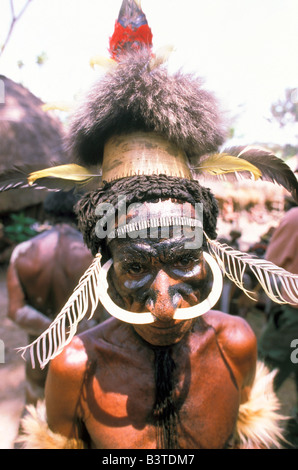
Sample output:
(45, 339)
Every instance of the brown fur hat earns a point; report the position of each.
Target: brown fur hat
(136, 95)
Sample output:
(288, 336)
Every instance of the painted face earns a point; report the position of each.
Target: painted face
(159, 276)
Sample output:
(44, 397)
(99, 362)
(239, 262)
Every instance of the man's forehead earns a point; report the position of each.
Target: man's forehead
(170, 220)
(152, 247)
(159, 208)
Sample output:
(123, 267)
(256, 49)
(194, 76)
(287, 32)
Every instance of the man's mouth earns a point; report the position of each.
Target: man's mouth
(166, 327)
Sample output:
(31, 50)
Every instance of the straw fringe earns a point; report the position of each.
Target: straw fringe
(259, 423)
(36, 433)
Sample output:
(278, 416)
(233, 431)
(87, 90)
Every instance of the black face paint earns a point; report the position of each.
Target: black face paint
(165, 411)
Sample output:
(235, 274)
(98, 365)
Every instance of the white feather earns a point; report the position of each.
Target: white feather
(52, 341)
(273, 279)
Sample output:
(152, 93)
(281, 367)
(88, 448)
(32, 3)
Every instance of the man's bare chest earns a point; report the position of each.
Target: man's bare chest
(119, 406)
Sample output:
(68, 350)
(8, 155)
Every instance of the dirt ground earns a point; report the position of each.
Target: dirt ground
(12, 375)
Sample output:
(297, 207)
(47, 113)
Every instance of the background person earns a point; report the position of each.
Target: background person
(42, 274)
(282, 326)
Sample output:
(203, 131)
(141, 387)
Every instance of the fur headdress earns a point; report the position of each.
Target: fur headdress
(139, 96)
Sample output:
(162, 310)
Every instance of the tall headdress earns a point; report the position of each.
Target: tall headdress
(139, 119)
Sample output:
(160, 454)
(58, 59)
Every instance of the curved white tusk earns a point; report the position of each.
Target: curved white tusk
(113, 309)
(147, 317)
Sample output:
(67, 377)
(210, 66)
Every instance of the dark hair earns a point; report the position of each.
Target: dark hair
(141, 189)
(60, 205)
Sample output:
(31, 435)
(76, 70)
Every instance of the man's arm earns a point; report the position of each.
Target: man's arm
(63, 391)
(239, 345)
(27, 317)
(259, 423)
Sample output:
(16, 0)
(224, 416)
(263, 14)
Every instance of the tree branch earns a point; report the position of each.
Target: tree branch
(15, 18)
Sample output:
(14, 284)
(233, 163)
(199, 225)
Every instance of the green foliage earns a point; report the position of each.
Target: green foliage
(20, 229)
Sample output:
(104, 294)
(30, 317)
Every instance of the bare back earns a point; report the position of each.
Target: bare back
(49, 266)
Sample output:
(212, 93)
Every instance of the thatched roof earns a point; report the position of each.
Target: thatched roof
(28, 135)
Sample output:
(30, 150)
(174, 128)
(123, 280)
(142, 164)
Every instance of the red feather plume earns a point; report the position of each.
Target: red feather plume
(131, 30)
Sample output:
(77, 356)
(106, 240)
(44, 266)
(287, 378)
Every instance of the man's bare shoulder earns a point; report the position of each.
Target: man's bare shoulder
(71, 363)
(235, 330)
(236, 338)
(32, 254)
(64, 381)
(84, 347)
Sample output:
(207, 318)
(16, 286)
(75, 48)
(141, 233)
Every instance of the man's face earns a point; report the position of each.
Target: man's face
(159, 276)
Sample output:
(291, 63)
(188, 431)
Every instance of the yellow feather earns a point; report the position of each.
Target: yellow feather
(57, 106)
(161, 56)
(72, 172)
(221, 163)
(101, 61)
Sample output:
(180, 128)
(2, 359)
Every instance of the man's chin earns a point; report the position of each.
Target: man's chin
(166, 336)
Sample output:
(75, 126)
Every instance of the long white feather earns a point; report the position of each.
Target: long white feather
(63, 328)
(280, 285)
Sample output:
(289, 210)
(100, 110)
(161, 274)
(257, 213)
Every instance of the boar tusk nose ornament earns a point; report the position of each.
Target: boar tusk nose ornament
(147, 317)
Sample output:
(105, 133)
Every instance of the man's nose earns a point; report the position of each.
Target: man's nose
(163, 299)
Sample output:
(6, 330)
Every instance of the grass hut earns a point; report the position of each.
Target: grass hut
(28, 135)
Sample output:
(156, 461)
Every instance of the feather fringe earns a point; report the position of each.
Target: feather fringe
(273, 279)
(61, 331)
(53, 178)
(259, 423)
(17, 178)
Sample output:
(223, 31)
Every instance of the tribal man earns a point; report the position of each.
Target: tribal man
(138, 386)
(167, 371)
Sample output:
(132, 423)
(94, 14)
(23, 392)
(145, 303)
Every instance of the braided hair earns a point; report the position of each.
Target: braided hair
(143, 189)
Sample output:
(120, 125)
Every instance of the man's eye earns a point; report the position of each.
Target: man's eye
(135, 268)
(185, 263)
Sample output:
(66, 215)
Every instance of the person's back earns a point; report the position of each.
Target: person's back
(48, 267)
(42, 274)
(283, 247)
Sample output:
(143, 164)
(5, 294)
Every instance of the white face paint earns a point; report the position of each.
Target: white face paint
(147, 317)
